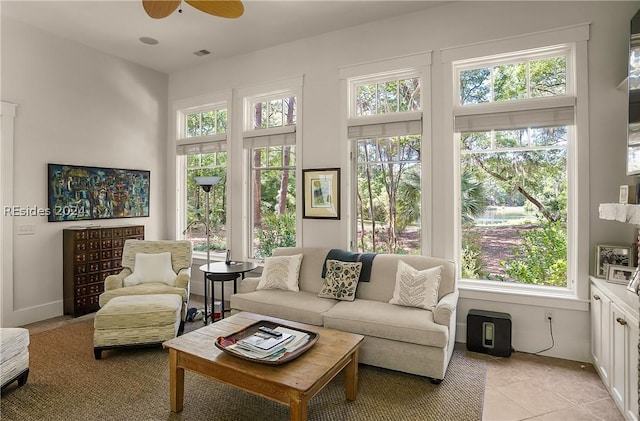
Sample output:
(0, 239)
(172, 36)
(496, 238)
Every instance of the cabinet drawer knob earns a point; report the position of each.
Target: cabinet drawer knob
(622, 321)
(596, 297)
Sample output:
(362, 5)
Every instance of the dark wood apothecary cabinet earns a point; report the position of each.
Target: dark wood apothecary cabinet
(91, 254)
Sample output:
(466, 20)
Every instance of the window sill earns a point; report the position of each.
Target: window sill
(201, 258)
(560, 298)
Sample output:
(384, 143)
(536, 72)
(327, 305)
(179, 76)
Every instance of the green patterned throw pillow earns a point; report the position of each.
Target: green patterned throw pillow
(341, 280)
(416, 288)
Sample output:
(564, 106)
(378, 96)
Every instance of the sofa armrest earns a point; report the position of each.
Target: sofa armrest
(248, 284)
(116, 281)
(446, 308)
(183, 279)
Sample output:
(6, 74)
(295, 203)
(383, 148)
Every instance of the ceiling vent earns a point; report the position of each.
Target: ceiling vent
(201, 52)
(148, 40)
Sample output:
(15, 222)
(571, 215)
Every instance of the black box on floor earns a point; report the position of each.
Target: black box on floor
(489, 332)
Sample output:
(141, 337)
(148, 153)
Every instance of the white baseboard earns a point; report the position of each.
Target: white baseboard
(566, 348)
(34, 314)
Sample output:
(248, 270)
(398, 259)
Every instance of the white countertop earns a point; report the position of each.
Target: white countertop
(627, 300)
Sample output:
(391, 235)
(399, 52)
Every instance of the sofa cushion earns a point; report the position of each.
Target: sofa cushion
(13, 342)
(303, 307)
(142, 289)
(151, 268)
(311, 267)
(384, 320)
(136, 311)
(181, 252)
(281, 273)
(341, 280)
(416, 288)
(14, 353)
(383, 275)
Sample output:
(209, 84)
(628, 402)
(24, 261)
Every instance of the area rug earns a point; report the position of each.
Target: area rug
(67, 383)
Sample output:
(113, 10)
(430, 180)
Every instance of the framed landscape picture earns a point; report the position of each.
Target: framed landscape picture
(611, 255)
(321, 193)
(79, 193)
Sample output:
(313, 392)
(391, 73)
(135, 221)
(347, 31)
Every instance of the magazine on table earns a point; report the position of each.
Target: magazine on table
(263, 342)
(260, 347)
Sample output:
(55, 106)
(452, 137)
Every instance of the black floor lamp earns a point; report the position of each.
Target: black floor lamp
(206, 183)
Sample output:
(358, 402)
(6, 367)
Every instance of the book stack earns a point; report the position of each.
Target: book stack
(264, 347)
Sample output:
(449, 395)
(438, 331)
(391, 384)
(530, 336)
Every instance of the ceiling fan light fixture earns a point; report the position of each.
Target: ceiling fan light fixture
(159, 9)
(223, 8)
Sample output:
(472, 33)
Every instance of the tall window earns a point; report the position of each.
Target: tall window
(514, 118)
(271, 141)
(386, 130)
(203, 151)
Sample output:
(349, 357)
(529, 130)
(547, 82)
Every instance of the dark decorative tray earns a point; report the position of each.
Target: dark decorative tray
(223, 342)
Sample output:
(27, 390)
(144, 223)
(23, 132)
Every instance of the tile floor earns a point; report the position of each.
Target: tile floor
(520, 387)
(533, 387)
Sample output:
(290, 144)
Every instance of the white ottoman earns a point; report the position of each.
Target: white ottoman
(14, 355)
(133, 320)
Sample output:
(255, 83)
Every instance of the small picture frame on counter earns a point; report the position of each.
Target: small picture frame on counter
(628, 194)
(617, 274)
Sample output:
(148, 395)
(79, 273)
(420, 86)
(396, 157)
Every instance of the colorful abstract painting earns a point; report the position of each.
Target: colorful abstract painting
(81, 193)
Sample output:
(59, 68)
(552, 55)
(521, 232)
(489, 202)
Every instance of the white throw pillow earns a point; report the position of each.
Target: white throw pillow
(281, 272)
(416, 288)
(152, 267)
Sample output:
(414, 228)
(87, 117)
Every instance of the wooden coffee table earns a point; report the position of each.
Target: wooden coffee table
(293, 383)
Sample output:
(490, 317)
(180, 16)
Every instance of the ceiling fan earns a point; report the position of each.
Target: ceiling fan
(159, 9)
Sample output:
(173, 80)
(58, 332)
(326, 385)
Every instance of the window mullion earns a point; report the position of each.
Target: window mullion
(492, 84)
(528, 78)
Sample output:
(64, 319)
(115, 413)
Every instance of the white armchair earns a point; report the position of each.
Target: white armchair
(181, 259)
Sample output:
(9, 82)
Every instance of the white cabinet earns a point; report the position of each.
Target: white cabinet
(600, 343)
(614, 342)
(624, 353)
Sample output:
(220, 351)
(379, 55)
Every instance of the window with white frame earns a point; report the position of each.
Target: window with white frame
(385, 128)
(201, 150)
(270, 139)
(514, 124)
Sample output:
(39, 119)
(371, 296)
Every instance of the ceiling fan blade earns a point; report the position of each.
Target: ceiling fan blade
(222, 8)
(159, 9)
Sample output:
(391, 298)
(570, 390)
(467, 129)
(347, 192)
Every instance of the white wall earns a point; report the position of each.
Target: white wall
(76, 106)
(460, 23)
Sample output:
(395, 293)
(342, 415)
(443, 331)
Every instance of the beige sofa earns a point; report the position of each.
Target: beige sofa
(407, 339)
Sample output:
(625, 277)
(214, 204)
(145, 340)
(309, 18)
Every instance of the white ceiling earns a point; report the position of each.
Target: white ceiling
(116, 26)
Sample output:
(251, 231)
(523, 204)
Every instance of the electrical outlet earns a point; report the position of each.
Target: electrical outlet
(548, 315)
